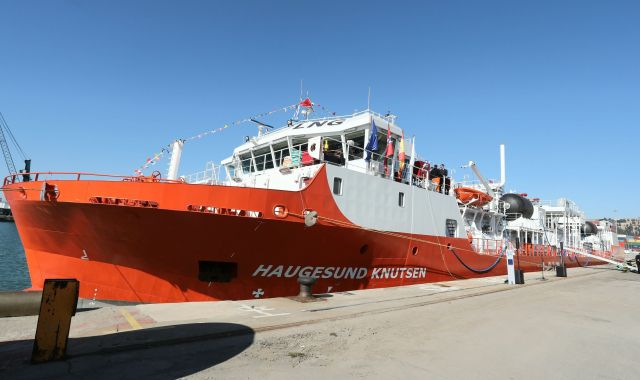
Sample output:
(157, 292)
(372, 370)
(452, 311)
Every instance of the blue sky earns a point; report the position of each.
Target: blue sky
(99, 86)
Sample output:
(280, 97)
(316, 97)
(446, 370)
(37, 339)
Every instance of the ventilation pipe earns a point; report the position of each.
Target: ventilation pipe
(174, 164)
(503, 175)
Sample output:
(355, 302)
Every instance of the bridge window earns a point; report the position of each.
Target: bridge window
(246, 162)
(355, 145)
(332, 149)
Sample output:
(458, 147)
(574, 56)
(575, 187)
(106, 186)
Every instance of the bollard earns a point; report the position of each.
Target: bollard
(306, 283)
(58, 305)
(561, 271)
(519, 276)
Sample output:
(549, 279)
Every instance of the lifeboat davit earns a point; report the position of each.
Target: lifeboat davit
(472, 197)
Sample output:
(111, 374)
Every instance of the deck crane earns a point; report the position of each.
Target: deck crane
(4, 127)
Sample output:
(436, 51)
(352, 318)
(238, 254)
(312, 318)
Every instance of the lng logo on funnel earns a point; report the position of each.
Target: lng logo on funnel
(348, 273)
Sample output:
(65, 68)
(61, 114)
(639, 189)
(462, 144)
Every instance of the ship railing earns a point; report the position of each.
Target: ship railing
(389, 168)
(77, 176)
(513, 215)
(475, 184)
(210, 175)
(531, 249)
(296, 157)
(492, 247)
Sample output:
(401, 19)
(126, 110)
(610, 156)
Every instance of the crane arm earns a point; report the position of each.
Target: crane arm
(5, 148)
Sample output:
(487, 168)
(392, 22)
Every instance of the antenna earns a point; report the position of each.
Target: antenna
(301, 91)
(369, 100)
(261, 127)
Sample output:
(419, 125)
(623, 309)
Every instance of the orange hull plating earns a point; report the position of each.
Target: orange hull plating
(143, 242)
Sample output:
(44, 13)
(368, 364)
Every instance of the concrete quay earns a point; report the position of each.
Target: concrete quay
(582, 326)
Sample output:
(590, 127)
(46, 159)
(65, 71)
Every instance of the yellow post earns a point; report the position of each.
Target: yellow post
(58, 305)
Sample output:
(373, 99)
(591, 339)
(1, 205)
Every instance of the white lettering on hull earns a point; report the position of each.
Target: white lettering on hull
(347, 273)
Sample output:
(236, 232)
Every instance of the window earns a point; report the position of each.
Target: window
(281, 150)
(337, 186)
(452, 227)
(401, 199)
(332, 150)
(247, 163)
(355, 145)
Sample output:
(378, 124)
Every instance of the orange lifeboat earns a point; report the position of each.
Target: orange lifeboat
(472, 196)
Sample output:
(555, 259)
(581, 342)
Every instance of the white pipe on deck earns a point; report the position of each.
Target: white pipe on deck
(503, 171)
(174, 164)
(473, 167)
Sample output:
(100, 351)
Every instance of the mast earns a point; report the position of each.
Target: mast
(174, 164)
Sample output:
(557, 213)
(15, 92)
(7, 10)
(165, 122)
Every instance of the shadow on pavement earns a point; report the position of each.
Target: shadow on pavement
(161, 352)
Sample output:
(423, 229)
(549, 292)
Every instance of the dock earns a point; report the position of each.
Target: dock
(582, 326)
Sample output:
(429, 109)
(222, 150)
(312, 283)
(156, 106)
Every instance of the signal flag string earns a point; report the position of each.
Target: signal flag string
(156, 157)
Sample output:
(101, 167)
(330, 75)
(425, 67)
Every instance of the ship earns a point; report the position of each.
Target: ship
(343, 199)
(5, 212)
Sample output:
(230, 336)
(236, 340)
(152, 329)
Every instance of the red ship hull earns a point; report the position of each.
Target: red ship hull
(146, 242)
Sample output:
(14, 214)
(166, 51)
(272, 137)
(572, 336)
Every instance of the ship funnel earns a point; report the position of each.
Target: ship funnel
(503, 175)
(174, 164)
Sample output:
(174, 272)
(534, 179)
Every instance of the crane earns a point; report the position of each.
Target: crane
(7, 152)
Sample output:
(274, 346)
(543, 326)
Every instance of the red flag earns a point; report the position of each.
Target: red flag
(389, 152)
(306, 103)
(401, 153)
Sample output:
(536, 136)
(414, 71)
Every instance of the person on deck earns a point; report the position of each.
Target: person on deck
(445, 179)
(435, 174)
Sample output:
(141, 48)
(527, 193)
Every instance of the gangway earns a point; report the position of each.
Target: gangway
(619, 264)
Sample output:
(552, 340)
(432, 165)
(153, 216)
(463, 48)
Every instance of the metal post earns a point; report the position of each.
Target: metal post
(58, 305)
(174, 164)
(306, 284)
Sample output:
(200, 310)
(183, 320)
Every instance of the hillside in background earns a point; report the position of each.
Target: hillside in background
(629, 226)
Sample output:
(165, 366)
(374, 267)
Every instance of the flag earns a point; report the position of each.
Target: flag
(373, 141)
(412, 159)
(306, 103)
(401, 154)
(389, 152)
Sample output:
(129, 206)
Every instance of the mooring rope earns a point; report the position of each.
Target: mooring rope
(479, 271)
(579, 263)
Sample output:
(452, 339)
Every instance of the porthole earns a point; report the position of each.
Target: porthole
(364, 249)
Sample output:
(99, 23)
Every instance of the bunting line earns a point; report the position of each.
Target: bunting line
(150, 161)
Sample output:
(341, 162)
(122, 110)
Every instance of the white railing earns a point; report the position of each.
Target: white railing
(210, 175)
(295, 158)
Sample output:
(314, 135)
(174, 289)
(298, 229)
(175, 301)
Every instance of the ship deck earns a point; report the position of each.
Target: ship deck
(574, 327)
